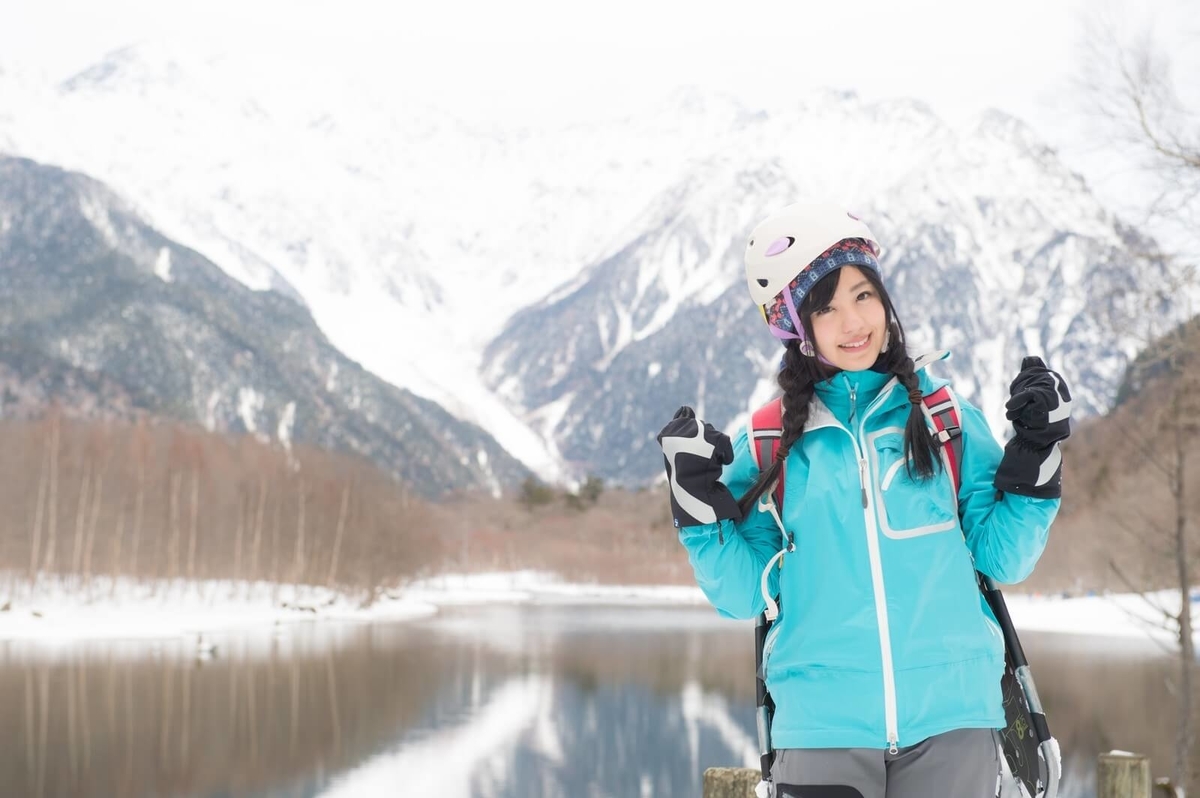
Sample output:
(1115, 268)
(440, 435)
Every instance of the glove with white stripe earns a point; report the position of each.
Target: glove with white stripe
(1039, 408)
(695, 452)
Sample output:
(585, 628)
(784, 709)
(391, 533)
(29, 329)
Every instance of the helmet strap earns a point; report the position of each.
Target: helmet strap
(791, 308)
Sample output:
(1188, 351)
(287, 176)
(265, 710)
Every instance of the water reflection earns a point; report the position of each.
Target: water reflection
(500, 701)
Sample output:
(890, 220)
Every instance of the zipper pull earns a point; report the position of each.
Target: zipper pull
(791, 543)
(862, 480)
(853, 401)
(895, 747)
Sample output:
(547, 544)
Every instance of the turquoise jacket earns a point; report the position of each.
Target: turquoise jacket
(883, 638)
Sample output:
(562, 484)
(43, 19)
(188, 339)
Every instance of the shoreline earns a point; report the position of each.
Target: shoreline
(56, 612)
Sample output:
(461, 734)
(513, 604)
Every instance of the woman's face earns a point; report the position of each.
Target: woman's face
(849, 331)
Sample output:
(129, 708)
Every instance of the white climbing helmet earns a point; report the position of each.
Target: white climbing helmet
(787, 241)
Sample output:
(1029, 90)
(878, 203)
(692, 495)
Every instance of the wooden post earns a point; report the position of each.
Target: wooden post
(1122, 775)
(730, 782)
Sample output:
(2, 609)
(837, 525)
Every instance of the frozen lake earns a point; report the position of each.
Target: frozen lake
(503, 700)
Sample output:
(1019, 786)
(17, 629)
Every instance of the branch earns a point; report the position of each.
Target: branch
(1145, 451)
(1137, 536)
(1154, 525)
(1157, 608)
(1138, 90)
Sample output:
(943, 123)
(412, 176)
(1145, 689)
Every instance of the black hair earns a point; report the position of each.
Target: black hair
(800, 374)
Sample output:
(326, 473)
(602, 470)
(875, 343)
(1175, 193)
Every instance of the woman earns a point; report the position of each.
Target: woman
(884, 663)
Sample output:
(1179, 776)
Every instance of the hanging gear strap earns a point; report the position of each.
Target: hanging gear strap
(942, 413)
(766, 433)
(766, 428)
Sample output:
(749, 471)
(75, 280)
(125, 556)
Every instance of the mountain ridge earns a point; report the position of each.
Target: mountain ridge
(438, 231)
(120, 318)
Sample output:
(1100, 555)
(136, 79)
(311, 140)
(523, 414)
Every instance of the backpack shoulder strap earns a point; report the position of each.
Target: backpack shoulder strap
(944, 415)
(766, 430)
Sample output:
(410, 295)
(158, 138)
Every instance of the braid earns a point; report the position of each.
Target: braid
(919, 447)
(798, 379)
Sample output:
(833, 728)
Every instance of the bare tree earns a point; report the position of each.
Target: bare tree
(243, 501)
(90, 539)
(1135, 107)
(1168, 426)
(141, 454)
(168, 502)
(259, 518)
(39, 509)
(81, 519)
(173, 513)
(298, 560)
(337, 540)
(118, 542)
(52, 506)
(195, 458)
(95, 457)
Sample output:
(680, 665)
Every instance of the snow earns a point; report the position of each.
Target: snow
(384, 245)
(1114, 615)
(250, 404)
(162, 265)
(97, 213)
(520, 587)
(58, 610)
(286, 421)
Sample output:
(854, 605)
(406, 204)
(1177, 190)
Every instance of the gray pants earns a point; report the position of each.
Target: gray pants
(964, 763)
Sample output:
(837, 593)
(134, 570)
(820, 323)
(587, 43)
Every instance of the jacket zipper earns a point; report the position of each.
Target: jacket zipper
(881, 614)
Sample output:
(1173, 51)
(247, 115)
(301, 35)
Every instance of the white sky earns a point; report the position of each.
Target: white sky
(539, 59)
(957, 56)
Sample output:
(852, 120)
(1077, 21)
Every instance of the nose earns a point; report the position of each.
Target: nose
(852, 320)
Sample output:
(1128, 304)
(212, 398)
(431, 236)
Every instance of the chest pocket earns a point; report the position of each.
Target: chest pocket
(908, 506)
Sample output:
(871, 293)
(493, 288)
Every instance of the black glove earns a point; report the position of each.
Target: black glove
(694, 452)
(1039, 408)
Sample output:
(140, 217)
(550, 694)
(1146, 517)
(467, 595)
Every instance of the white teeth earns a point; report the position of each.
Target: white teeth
(856, 344)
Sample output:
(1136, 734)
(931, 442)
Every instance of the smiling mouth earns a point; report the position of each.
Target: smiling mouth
(856, 346)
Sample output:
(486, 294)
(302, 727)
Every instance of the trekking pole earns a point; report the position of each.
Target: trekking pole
(764, 708)
(1047, 745)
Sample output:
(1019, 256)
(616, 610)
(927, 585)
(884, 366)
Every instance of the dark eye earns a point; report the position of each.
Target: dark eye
(823, 311)
(865, 295)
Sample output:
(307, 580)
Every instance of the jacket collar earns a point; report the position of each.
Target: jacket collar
(837, 389)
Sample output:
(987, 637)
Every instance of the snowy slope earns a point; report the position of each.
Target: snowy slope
(992, 249)
(106, 317)
(416, 238)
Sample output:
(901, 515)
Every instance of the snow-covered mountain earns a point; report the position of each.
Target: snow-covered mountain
(567, 287)
(101, 313)
(1031, 265)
